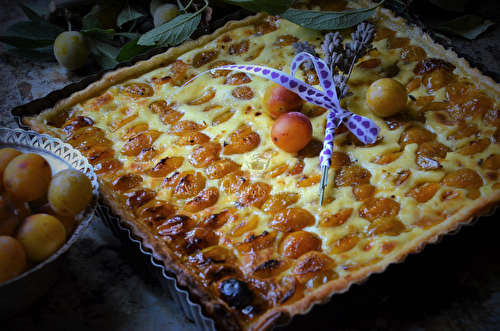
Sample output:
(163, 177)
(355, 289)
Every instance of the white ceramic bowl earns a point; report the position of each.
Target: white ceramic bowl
(18, 293)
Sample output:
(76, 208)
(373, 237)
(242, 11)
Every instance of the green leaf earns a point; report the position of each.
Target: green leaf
(132, 49)
(451, 5)
(91, 22)
(468, 26)
(272, 7)
(102, 53)
(171, 33)
(30, 34)
(98, 33)
(322, 20)
(44, 54)
(34, 13)
(129, 35)
(128, 14)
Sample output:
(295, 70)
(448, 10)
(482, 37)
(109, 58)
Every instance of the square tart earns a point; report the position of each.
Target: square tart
(236, 220)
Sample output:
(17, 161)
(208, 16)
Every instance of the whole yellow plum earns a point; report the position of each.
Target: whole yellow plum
(68, 221)
(71, 50)
(6, 155)
(279, 100)
(27, 177)
(41, 236)
(386, 97)
(12, 258)
(292, 131)
(70, 191)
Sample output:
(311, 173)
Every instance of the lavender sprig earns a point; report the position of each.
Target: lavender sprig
(341, 58)
(364, 35)
(333, 50)
(361, 42)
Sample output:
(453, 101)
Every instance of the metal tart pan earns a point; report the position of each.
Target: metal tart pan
(180, 295)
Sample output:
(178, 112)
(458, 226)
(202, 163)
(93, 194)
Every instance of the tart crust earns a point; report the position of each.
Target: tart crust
(225, 316)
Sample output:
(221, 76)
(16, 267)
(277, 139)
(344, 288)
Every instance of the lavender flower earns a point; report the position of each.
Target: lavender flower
(333, 50)
(300, 47)
(364, 35)
(340, 58)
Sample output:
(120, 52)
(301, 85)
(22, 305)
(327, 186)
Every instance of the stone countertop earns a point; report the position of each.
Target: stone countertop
(454, 285)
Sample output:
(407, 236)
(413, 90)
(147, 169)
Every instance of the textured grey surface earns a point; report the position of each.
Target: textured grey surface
(454, 285)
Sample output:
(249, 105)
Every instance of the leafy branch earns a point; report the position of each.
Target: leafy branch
(173, 32)
(133, 32)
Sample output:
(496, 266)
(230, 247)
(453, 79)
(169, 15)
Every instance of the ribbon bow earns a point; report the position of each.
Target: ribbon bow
(362, 127)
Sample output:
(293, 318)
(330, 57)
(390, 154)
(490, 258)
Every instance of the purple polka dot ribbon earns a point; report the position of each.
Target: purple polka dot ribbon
(362, 127)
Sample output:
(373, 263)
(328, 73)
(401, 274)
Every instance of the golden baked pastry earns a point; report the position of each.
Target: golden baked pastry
(197, 178)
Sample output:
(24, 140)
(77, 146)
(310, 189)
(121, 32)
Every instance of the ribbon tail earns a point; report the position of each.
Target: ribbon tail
(325, 157)
(363, 128)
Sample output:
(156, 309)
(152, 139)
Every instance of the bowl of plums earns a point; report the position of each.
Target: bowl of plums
(48, 195)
